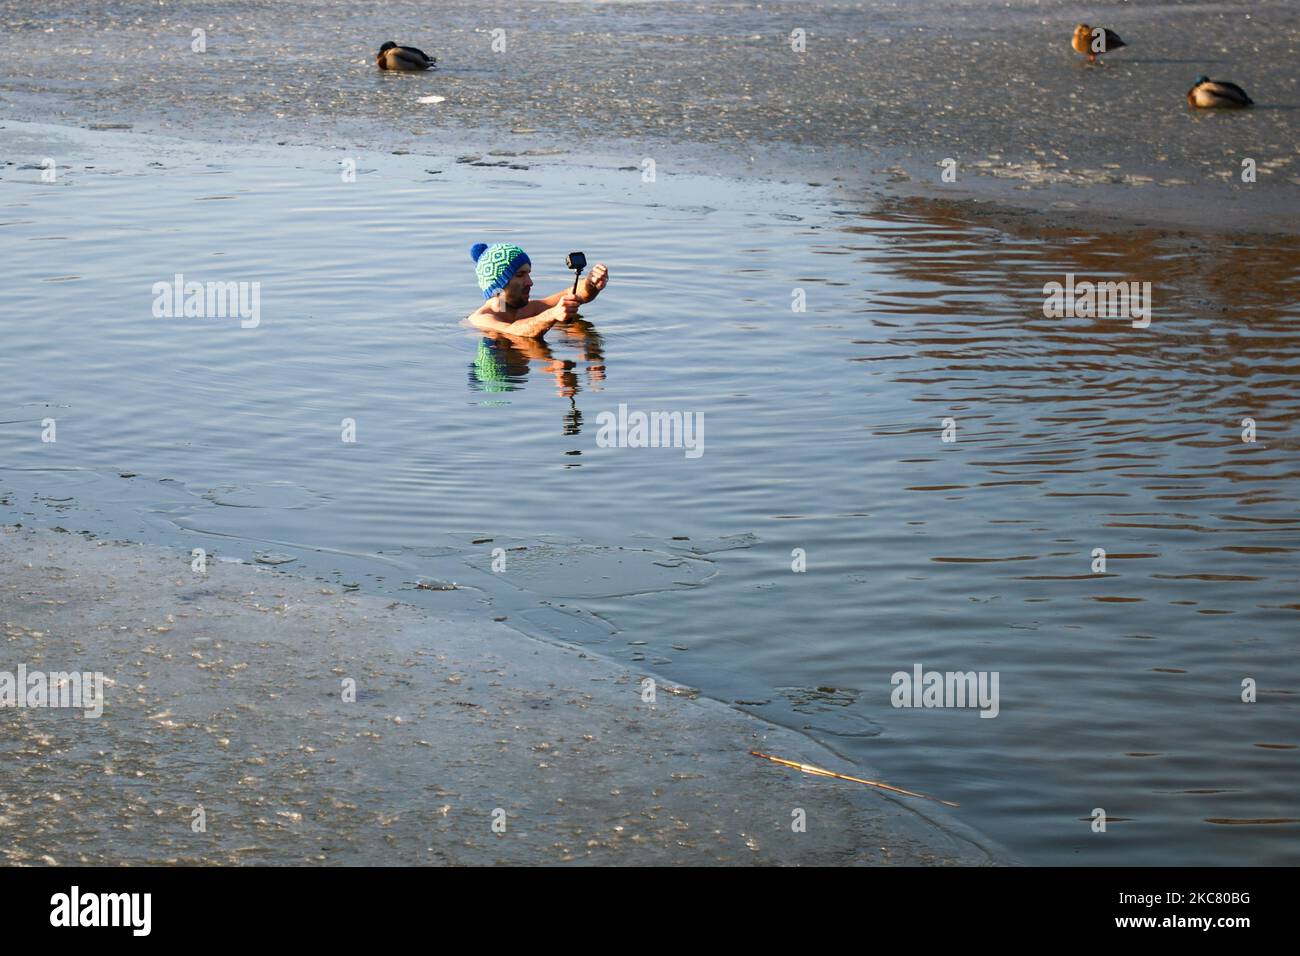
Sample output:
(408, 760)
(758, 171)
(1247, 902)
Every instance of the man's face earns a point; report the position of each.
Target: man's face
(517, 289)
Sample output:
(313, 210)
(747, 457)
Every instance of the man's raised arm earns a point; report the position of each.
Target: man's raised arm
(588, 289)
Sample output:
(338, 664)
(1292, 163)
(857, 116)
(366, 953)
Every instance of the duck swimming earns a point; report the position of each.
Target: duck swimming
(1208, 94)
(394, 57)
(1085, 36)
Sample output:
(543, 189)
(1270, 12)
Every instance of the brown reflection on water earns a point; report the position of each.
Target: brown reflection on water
(1103, 398)
(503, 364)
(1083, 433)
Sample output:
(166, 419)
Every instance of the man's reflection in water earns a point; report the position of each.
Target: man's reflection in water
(502, 364)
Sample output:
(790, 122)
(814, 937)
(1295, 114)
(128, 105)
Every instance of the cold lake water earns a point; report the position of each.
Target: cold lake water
(902, 463)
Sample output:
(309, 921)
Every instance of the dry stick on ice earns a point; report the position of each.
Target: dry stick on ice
(819, 772)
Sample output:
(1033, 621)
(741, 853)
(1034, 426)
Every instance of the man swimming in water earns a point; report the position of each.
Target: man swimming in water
(504, 275)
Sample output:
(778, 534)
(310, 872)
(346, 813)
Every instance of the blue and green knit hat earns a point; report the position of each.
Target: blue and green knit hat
(496, 265)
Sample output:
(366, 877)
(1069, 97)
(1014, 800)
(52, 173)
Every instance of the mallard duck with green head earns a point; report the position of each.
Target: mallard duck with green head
(1217, 94)
(394, 57)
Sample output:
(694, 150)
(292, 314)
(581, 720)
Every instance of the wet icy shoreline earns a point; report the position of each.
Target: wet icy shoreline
(880, 96)
(227, 737)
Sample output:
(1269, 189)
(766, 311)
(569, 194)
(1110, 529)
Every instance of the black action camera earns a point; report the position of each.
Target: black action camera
(576, 261)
